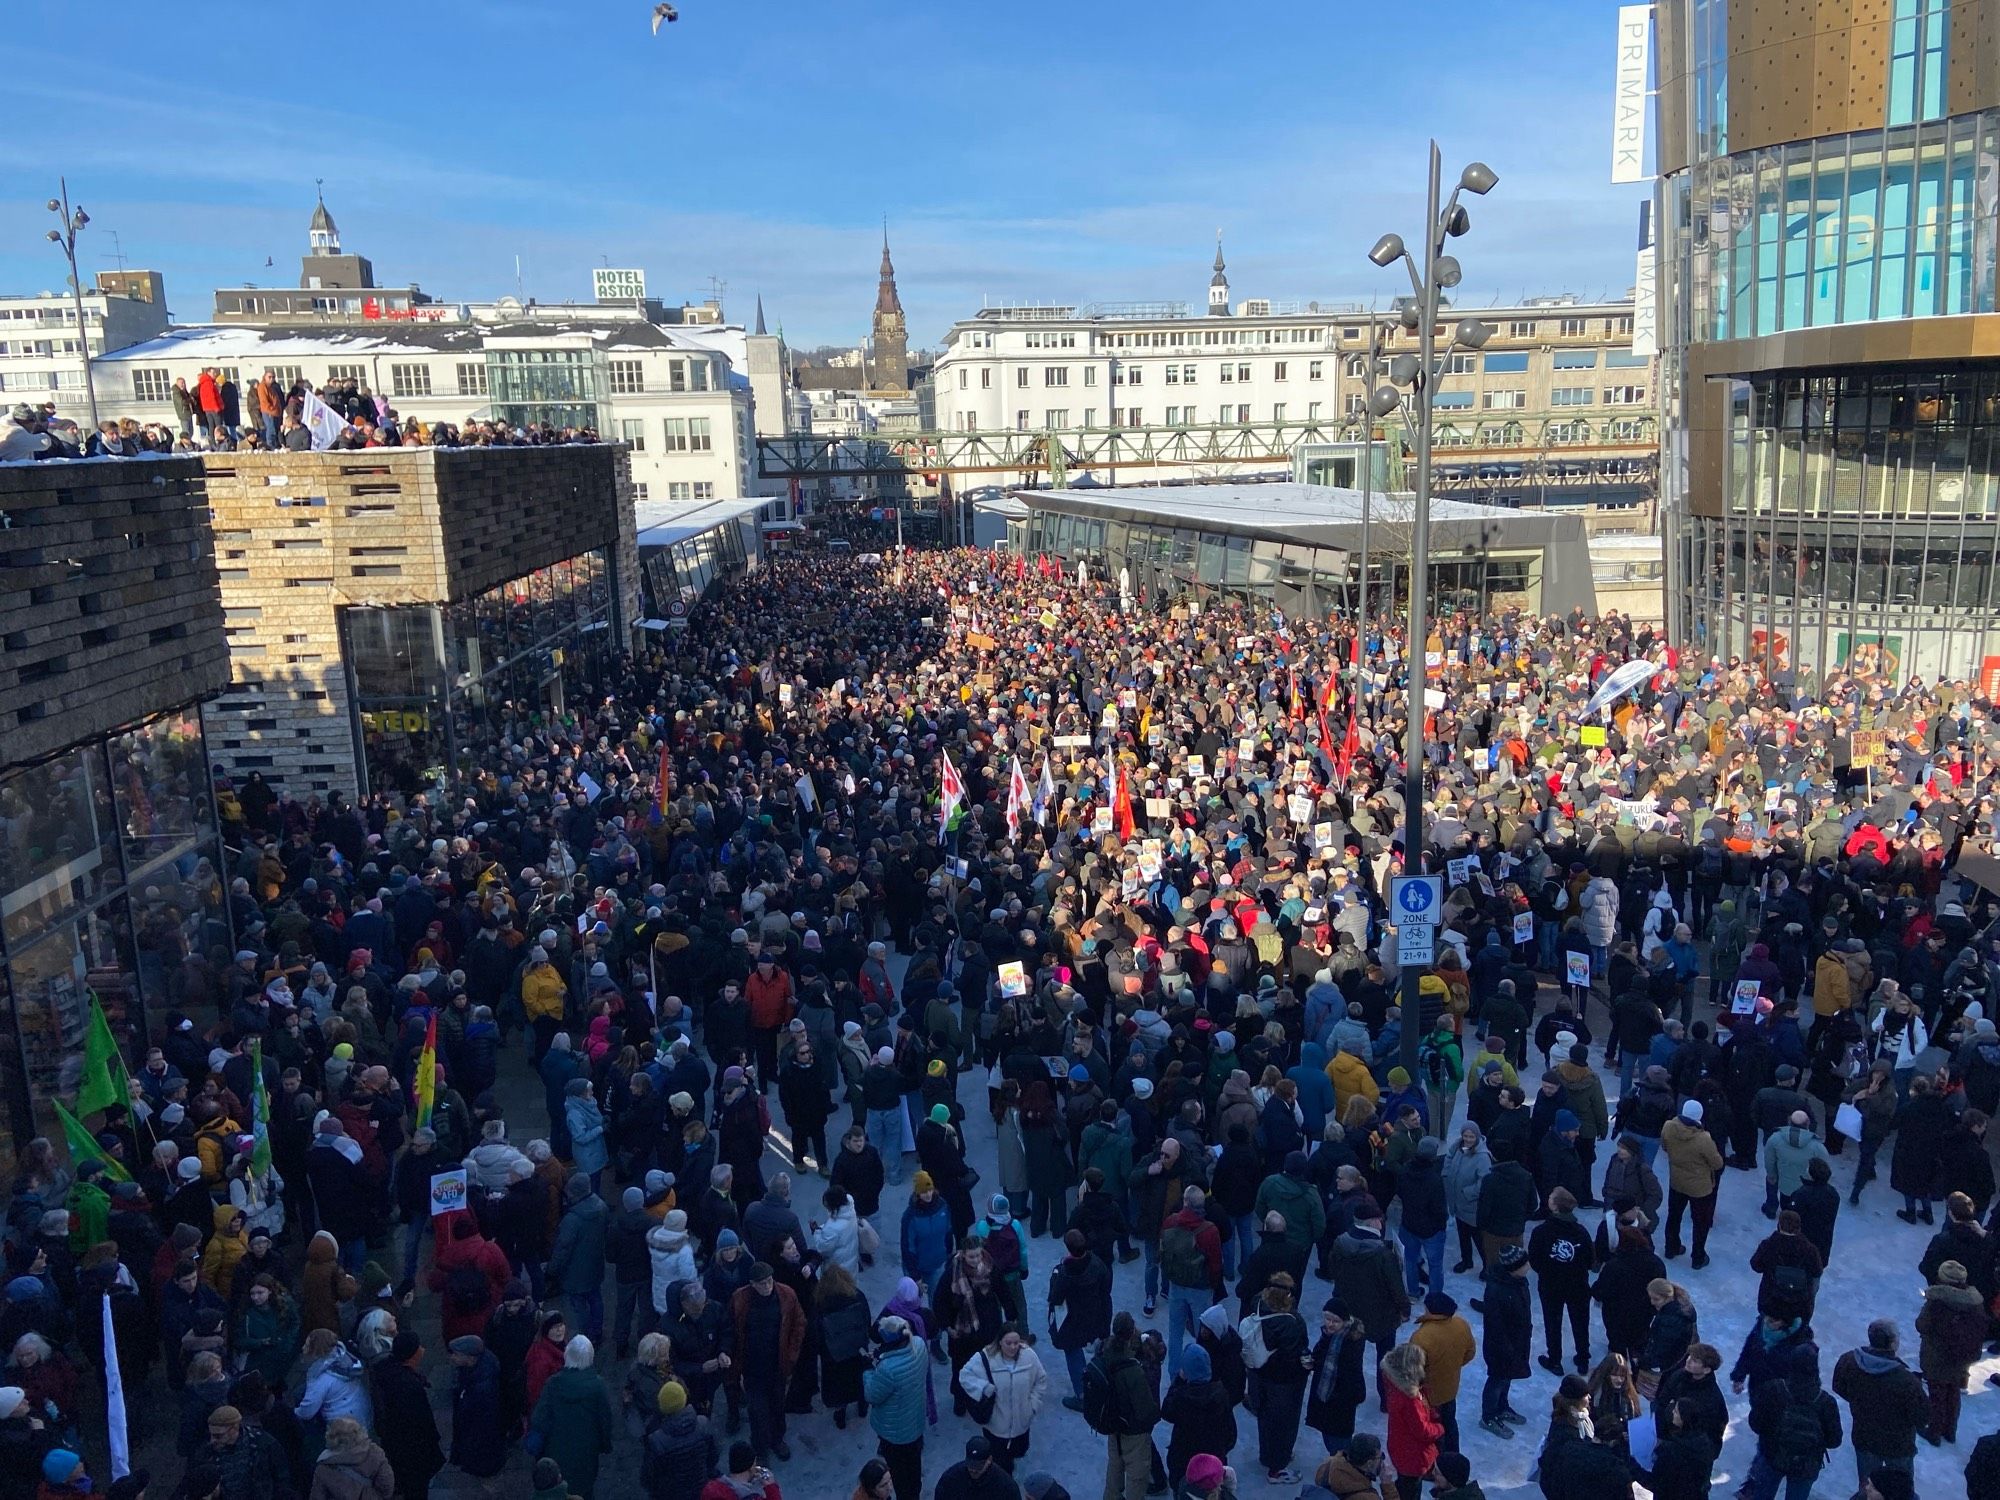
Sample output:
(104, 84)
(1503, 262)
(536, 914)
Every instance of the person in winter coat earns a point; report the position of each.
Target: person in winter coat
(1562, 1256)
(1629, 1179)
(590, 1149)
(1316, 1098)
(573, 1418)
(1449, 1347)
(350, 1466)
(1509, 1334)
(1952, 1326)
(1415, 1432)
(470, 1273)
(1507, 1200)
(840, 1327)
(680, 1452)
(1336, 1387)
(336, 1385)
(1466, 1166)
(838, 1240)
(1797, 1424)
(927, 1237)
(1368, 1277)
(1200, 1411)
(636, 1311)
(1694, 1171)
(1275, 1253)
(1010, 1373)
(1420, 1190)
(1277, 1384)
(1684, 1456)
(1292, 1194)
(1348, 1072)
(1672, 1334)
(576, 1264)
(1922, 1123)
(770, 1334)
(895, 1382)
(404, 1422)
(1079, 1302)
(670, 1255)
(1620, 1291)
(1886, 1403)
(1788, 1153)
(1357, 1470)
(1790, 1266)
(478, 1441)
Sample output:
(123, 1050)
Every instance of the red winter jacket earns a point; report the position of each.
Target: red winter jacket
(208, 395)
(1414, 1431)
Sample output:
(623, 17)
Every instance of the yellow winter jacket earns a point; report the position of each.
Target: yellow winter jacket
(1350, 1076)
(543, 992)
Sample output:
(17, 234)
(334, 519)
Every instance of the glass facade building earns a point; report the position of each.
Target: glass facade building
(111, 882)
(432, 682)
(1830, 332)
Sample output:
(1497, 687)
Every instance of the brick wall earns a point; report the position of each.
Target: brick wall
(299, 536)
(109, 611)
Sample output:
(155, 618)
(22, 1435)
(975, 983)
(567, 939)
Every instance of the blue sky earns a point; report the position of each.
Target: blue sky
(1022, 151)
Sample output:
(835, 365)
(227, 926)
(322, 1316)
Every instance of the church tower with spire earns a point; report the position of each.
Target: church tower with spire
(1218, 284)
(324, 266)
(891, 367)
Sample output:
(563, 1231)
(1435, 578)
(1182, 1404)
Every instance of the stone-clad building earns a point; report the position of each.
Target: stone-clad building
(111, 866)
(386, 608)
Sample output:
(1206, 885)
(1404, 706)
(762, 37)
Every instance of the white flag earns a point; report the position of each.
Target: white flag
(1045, 792)
(951, 792)
(114, 1399)
(1017, 798)
(807, 793)
(325, 424)
(1629, 677)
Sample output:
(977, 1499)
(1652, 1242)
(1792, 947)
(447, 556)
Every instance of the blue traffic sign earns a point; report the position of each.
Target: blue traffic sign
(1416, 898)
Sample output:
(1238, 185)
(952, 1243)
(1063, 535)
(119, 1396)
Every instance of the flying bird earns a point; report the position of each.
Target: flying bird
(663, 12)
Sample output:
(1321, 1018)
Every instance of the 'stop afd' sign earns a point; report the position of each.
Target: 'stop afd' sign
(611, 285)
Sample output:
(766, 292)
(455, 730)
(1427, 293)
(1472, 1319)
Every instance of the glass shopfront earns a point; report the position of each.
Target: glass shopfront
(110, 884)
(685, 569)
(1861, 522)
(1300, 579)
(430, 682)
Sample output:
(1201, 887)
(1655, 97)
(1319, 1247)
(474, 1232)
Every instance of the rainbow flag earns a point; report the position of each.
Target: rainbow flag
(427, 1063)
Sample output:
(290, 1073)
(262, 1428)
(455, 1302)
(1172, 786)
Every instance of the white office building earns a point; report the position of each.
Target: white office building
(41, 354)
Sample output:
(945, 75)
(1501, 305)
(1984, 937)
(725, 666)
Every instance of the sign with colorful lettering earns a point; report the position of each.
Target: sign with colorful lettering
(448, 1191)
(1576, 970)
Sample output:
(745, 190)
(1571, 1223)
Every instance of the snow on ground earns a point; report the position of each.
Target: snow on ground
(1873, 1275)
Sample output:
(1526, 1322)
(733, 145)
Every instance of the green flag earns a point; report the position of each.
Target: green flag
(103, 1083)
(260, 1112)
(83, 1145)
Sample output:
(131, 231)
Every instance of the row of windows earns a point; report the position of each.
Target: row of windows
(408, 380)
(1355, 365)
(628, 376)
(1574, 327)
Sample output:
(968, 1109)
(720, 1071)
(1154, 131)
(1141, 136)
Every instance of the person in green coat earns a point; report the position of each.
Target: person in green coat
(267, 1331)
(1292, 1194)
(573, 1418)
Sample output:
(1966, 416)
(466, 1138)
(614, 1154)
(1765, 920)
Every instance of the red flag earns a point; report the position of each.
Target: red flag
(1344, 761)
(1020, 567)
(1121, 802)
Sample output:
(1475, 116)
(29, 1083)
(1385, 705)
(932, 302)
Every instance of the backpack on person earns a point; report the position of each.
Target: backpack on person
(1800, 1445)
(1709, 861)
(1102, 1409)
(1181, 1258)
(1434, 1066)
(1256, 1353)
(1003, 1248)
(466, 1290)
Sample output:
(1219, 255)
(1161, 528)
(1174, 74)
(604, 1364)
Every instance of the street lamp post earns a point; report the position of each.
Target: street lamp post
(65, 237)
(1436, 274)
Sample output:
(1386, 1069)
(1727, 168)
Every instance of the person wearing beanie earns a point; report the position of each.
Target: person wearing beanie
(1583, 1094)
(1559, 1159)
(478, 1440)
(1421, 1192)
(1199, 1409)
(1694, 1172)
(941, 1152)
(1448, 1345)
(632, 1271)
(1368, 1276)
(883, 1111)
(770, 1332)
(63, 1474)
(1335, 1386)
(1952, 1330)
(896, 1384)
(680, 1450)
(1206, 1475)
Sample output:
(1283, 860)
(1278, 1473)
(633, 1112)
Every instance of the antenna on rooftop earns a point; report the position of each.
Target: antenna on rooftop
(716, 287)
(117, 250)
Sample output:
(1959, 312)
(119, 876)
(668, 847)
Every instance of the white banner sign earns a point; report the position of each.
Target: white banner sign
(1630, 101)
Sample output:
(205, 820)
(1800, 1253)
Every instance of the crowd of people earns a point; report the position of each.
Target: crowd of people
(886, 862)
(215, 416)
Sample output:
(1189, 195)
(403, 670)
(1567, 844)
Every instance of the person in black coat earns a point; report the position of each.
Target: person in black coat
(404, 1423)
(1620, 1291)
(1508, 1333)
(1336, 1388)
(1274, 1253)
(478, 1441)
(1562, 1256)
(1200, 1411)
(1922, 1123)
(1080, 1286)
(1817, 1203)
(1693, 1388)
(1787, 1447)
(1684, 1456)
(342, 1194)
